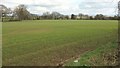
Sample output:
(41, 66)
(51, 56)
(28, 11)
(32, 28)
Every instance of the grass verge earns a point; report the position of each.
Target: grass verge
(102, 56)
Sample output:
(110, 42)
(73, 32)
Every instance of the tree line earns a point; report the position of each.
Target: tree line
(21, 13)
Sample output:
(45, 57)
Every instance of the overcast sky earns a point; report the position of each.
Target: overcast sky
(67, 7)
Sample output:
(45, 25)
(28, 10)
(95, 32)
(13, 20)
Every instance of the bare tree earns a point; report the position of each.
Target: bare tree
(46, 15)
(56, 15)
(4, 12)
(22, 12)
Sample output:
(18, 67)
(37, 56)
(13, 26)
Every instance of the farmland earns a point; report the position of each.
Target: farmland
(51, 42)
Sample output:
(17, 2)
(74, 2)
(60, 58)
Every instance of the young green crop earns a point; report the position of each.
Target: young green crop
(50, 42)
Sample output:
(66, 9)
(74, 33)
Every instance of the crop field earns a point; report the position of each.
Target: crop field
(55, 42)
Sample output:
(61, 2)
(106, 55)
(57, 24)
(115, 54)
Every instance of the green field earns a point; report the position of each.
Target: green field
(52, 42)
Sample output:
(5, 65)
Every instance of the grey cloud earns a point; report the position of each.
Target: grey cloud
(37, 5)
(43, 5)
(96, 5)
